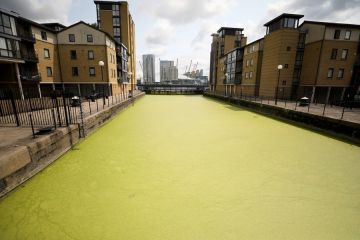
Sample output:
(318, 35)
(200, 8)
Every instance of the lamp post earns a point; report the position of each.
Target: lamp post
(226, 76)
(101, 64)
(132, 85)
(277, 85)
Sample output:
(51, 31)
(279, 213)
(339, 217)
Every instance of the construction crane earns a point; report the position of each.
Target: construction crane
(195, 67)
(190, 65)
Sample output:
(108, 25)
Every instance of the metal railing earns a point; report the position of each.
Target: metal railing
(343, 110)
(58, 111)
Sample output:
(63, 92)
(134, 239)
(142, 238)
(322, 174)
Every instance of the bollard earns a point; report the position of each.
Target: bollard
(32, 125)
(53, 115)
(343, 111)
(324, 109)
(89, 106)
(97, 105)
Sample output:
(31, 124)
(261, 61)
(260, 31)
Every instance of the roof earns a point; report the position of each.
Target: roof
(253, 42)
(107, 2)
(84, 23)
(284, 15)
(36, 24)
(229, 28)
(332, 24)
(54, 24)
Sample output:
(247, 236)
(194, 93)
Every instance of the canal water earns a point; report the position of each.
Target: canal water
(187, 167)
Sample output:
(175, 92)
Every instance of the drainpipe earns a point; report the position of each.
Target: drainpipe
(318, 67)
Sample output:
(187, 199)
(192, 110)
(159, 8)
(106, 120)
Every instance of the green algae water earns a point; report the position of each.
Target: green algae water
(186, 167)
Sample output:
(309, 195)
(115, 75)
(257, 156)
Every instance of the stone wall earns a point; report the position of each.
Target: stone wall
(334, 127)
(23, 161)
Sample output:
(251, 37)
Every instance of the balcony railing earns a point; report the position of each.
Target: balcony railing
(27, 36)
(30, 57)
(9, 53)
(33, 77)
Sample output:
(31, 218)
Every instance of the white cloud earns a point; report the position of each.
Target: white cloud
(40, 10)
(187, 11)
(160, 33)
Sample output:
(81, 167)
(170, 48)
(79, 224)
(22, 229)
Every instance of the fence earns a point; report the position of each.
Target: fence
(344, 110)
(56, 111)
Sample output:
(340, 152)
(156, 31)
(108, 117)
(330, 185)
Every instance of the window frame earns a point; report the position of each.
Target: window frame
(75, 71)
(72, 38)
(73, 56)
(90, 73)
(346, 55)
(330, 70)
(46, 50)
(334, 53)
(89, 38)
(44, 35)
(337, 33)
(346, 32)
(342, 71)
(93, 55)
(47, 71)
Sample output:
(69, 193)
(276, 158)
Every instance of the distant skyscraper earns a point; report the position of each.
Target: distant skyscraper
(168, 71)
(149, 68)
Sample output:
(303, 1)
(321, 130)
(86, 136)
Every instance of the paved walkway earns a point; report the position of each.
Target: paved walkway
(335, 112)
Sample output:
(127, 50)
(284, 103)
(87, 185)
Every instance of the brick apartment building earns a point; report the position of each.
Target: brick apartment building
(36, 59)
(319, 60)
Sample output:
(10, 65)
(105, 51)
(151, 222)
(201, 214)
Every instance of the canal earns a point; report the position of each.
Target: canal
(187, 167)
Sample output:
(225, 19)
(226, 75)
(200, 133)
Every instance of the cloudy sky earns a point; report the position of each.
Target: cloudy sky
(181, 29)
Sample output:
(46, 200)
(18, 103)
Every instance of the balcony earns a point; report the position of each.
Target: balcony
(9, 53)
(32, 57)
(26, 36)
(30, 77)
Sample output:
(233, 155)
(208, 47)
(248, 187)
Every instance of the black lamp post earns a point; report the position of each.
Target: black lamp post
(277, 85)
(101, 64)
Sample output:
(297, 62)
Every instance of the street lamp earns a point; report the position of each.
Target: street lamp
(132, 85)
(277, 85)
(101, 64)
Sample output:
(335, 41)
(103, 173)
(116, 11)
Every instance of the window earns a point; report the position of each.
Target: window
(253, 48)
(116, 22)
(222, 50)
(5, 24)
(90, 38)
(46, 53)
(286, 66)
(341, 73)
(49, 71)
(330, 73)
(9, 48)
(91, 71)
(334, 53)
(284, 83)
(252, 62)
(75, 71)
(337, 34)
(246, 75)
(347, 34)
(73, 54)
(288, 48)
(248, 50)
(344, 54)
(71, 37)
(91, 54)
(116, 32)
(289, 22)
(247, 62)
(250, 74)
(115, 10)
(43, 35)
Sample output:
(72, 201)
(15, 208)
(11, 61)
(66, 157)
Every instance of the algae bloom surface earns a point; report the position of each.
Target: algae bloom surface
(186, 167)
